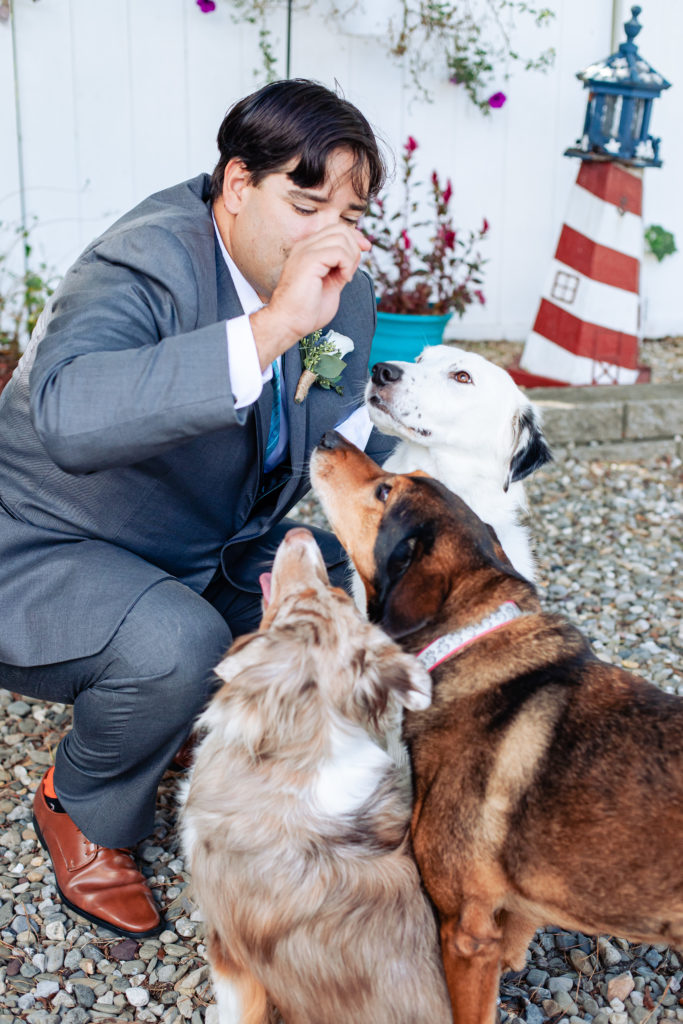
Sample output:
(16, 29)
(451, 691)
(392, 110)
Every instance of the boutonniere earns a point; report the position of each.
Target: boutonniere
(322, 358)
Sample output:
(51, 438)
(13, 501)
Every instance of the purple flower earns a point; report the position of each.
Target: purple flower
(497, 100)
(206, 6)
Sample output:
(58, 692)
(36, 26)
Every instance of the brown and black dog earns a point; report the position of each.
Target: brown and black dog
(548, 784)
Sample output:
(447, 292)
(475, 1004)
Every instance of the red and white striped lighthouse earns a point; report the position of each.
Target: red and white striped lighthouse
(587, 328)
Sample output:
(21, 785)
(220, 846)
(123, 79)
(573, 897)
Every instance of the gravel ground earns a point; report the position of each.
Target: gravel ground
(608, 540)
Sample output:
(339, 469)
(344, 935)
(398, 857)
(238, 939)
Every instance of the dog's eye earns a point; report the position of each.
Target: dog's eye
(382, 492)
(462, 376)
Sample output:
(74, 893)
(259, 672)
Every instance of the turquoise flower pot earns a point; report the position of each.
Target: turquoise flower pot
(402, 336)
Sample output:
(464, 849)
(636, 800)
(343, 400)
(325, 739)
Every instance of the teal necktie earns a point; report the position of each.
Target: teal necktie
(274, 431)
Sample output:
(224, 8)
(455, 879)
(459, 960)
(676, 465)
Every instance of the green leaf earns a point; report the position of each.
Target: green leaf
(329, 366)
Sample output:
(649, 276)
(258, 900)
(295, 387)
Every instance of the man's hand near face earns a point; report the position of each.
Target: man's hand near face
(307, 294)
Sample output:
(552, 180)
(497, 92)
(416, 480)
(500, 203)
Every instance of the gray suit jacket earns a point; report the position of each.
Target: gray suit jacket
(122, 457)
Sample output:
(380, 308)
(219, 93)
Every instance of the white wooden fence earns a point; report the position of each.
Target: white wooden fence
(118, 98)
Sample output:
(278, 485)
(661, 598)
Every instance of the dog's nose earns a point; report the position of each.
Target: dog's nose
(386, 373)
(332, 440)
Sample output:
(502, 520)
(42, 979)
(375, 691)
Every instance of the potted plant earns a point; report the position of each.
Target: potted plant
(423, 267)
(22, 297)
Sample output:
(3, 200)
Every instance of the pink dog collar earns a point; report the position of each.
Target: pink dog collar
(450, 643)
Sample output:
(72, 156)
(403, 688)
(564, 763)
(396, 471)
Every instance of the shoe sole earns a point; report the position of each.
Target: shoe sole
(91, 917)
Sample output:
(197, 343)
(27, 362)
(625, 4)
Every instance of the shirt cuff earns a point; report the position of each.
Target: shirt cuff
(246, 378)
(356, 428)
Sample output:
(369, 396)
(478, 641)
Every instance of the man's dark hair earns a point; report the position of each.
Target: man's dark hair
(297, 118)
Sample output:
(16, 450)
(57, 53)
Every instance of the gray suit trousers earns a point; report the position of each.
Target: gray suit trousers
(134, 702)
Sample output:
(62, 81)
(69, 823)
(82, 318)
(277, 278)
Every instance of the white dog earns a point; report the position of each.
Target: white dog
(464, 421)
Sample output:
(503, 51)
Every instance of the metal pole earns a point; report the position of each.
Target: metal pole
(289, 38)
(20, 140)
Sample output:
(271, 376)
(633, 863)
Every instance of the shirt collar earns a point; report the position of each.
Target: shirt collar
(249, 300)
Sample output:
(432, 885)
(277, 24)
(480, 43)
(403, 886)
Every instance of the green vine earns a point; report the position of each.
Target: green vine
(22, 295)
(660, 242)
(471, 38)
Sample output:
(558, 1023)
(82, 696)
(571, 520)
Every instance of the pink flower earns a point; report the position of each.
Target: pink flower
(448, 192)
(485, 226)
(206, 6)
(447, 236)
(411, 145)
(406, 239)
(435, 179)
(480, 296)
(497, 100)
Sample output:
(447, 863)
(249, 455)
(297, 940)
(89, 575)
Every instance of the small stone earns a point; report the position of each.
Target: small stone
(653, 958)
(583, 963)
(609, 954)
(536, 978)
(137, 996)
(46, 989)
(566, 1003)
(54, 930)
(63, 999)
(76, 1016)
(19, 708)
(618, 1018)
(84, 995)
(561, 984)
(620, 988)
(191, 982)
(185, 1007)
(124, 950)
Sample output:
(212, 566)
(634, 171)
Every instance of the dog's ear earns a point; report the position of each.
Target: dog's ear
(383, 669)
(529, 448)
(406, 597)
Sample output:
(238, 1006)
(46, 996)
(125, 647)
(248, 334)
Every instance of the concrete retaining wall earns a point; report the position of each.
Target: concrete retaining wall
(622, 423)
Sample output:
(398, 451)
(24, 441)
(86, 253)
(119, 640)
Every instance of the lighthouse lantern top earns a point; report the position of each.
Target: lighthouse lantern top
(622, 88)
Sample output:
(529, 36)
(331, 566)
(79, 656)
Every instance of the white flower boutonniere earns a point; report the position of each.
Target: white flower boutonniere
(322, 358)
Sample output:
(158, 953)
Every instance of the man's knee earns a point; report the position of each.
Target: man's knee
(174, 637)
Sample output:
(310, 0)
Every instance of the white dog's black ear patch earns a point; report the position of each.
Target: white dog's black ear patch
(530, 448)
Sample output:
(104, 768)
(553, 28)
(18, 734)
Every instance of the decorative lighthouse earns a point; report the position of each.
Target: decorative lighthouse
(587, 327)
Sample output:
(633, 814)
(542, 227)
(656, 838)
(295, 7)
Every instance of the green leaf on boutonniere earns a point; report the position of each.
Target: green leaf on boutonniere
(322, 362)
(330, 366)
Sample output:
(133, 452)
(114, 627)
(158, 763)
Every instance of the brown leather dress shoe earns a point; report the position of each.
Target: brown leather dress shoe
(101, 885)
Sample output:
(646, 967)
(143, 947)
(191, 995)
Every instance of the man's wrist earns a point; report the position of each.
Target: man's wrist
(271, 337)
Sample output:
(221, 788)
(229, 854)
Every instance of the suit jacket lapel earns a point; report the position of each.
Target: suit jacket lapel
(297, 414)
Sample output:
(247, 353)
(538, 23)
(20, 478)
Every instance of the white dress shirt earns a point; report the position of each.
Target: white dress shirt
(246, 377)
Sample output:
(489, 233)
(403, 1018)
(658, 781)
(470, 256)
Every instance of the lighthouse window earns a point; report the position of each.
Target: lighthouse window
(638, 114)
(565, 287)
(611, 115)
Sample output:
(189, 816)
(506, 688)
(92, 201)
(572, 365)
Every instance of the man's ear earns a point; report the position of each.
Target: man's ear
(235, 179)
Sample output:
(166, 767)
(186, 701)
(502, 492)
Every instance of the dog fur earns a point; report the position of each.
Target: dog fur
(548, 784)
(463, 420)
(296, 824)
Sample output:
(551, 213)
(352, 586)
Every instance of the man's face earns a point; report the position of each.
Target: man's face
(264, 221)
